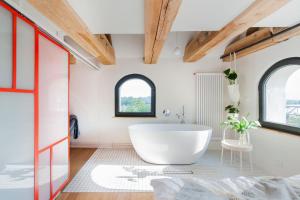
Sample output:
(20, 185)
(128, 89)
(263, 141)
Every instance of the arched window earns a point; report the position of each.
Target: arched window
(279, 96)
(135, 97)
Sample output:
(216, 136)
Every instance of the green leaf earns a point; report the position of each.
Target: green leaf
(227, 71)
(240, 125)
(232, 76)
(228, 107)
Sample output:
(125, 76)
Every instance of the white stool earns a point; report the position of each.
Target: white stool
(237, 146)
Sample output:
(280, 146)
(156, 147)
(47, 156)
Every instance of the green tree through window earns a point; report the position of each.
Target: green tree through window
(131, 104)
(135, 96)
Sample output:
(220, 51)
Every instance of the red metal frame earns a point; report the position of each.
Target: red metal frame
(52, 40)
(14, 52)
(69, 138)
(50, 148)
(16, 15)
(53, 194)
(16, 90)
(51, 145)
(51, 163)
(36, 115)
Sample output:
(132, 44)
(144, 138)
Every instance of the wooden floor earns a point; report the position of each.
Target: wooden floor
(78, 158)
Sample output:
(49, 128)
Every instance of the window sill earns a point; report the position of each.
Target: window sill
(141, 117)
(281, 128)
(271, 132)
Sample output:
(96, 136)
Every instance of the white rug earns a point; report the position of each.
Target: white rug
(121, 170)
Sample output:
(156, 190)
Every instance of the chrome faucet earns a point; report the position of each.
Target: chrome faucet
(181, 116)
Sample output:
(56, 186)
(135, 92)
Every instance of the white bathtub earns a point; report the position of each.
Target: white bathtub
(170, 143)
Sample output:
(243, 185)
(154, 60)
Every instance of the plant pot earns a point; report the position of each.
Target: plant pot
(243, 139)
(233, 115)
(234, 93)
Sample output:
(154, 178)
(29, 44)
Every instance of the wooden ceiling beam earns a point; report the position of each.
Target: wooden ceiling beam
(247, 40)
(104, 38)
(253, 14)
(245, 47)
(72, 59)
(159, 17)
(108, 36)
(63, 15)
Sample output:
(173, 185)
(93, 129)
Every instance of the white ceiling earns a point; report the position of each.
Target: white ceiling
(127, 16)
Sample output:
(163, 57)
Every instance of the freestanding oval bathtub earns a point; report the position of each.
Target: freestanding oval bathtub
(170, 143)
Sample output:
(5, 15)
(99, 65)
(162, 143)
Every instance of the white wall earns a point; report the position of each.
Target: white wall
(276, 152)
(92, 96)
(92, 92)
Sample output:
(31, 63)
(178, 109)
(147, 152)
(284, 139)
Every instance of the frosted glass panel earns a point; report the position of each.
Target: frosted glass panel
(44, 175)
(60, 164)
(5, 48)
(17, 146)
(53, 92)
(25, 55)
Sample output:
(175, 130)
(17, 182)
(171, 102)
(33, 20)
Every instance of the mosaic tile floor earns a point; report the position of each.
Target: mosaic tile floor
(121, 170)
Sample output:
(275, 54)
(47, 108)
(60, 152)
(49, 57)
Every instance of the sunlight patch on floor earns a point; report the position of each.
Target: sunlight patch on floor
(121, 170)
(126, 177)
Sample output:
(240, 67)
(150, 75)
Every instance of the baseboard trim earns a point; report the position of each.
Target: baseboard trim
(213, 145)
(116, 146)
(103, 146)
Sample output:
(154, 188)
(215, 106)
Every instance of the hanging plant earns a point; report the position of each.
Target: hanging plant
(230, 75)
(232, 109)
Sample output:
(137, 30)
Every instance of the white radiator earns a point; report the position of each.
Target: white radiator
(210, 101)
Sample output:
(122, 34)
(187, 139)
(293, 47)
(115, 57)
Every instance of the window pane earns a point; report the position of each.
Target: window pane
(5, 48)
(135, 96)
(53, 93)
(25, 58)
(283, 96)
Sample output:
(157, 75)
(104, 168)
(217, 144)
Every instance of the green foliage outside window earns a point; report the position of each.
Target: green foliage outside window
(133, 104)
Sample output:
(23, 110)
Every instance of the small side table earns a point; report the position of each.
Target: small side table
(235, 145)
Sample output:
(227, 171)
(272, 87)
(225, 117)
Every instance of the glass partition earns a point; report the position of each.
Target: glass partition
(34, 156)
(17, 146)
(60, 164)
(5, 48)
(53, 93)
(25, 55)
(44, 175)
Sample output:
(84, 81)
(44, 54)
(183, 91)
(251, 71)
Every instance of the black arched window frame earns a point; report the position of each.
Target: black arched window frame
(262, 96)
(152, 113)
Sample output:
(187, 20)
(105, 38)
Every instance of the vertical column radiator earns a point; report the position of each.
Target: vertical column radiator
(210, 101)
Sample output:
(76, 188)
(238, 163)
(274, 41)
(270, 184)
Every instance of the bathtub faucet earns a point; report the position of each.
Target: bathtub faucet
(181, 116)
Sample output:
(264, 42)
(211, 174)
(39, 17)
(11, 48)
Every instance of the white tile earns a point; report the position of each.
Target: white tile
(121, 170)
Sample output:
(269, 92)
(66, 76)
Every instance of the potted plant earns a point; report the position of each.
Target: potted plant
(233, 87)
(232, 110)
(241, 127)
